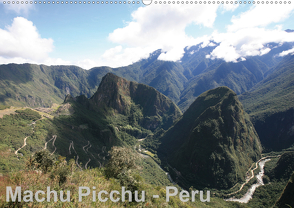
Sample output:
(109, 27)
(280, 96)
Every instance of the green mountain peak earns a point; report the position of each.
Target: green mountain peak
(214, 142)
(148, 107)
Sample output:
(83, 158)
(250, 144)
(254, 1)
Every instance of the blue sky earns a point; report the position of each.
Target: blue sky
(91, 35)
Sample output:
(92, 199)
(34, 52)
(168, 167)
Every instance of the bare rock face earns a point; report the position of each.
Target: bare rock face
(113, 92)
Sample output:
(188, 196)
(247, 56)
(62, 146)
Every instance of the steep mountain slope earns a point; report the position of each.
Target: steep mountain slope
(214, 142)
(272, 58)
(270, 105)
(240, 77)
(143, 105)
(168, 78)
(286, 198)
(40, 85)
(194, 60)
(284, 167)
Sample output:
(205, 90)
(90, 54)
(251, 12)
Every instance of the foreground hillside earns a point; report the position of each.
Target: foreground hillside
(43, 172)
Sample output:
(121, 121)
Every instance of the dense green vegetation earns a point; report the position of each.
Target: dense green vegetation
(270, 106)
(182, 82)
(213, 139)
(286, 198)
(212, 145)
(240, 77)
(138, 104)
(273, 94)
(13, 130)
(43, 170)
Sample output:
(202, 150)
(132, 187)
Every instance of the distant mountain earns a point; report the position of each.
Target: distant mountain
(240, 77)
(182, 82)
(214, 142)
(270, 106)
(40, 85)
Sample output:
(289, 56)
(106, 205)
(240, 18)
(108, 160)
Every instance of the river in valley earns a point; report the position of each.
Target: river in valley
(250, 192)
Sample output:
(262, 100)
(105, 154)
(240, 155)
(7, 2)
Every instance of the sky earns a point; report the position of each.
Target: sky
(114, 33)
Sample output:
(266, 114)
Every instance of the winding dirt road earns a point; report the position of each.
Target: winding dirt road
(25, 139)
(24, 144)
(53, 144)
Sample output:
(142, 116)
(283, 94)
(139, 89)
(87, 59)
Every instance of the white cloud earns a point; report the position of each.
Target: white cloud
(261, 15)
(225, 51)
(118, 56)
(246, 37)
(172, 55)
(158, 27)
(21, 40)
(19, 60)
(229, 7)
(86, 63)
(290, 51)
(19, 8)
(246, 42)
(112, 52)
(163, 27)
(21, 43)
(264, 51)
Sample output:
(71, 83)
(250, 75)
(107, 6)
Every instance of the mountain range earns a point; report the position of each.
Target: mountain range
(189, 116)
(261, 82)
(182, 81)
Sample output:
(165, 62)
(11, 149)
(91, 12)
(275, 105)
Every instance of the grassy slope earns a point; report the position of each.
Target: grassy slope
(94, 178)
(39, 85)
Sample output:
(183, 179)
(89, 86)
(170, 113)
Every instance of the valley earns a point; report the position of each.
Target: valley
(198, 124)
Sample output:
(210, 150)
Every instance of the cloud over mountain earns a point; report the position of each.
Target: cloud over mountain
(247, 42)
(163, 26)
